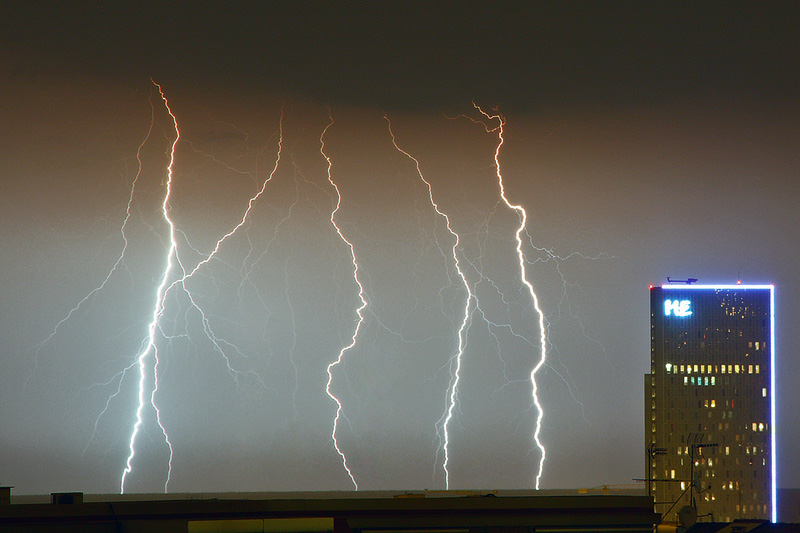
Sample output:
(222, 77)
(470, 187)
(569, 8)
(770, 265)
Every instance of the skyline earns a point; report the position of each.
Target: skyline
(619, 193)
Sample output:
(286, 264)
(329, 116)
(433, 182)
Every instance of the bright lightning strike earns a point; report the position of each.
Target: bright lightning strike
(456, 359)
(523, 218)
(164, 288)
(151, 349)
(176, 275)
(359, 310)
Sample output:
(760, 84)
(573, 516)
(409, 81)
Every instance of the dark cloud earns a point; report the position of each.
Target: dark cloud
(522, 55)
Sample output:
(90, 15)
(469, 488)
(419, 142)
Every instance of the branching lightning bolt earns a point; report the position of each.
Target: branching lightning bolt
(456, 358)
(175, 276)
(151, 347)
(359, 310)
(523, 218)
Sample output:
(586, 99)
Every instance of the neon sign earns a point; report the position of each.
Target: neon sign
(677, 307)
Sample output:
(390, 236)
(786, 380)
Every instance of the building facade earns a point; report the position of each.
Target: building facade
(710, 401)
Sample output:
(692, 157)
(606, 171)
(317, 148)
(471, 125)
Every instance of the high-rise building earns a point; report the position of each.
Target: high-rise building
(710, 401)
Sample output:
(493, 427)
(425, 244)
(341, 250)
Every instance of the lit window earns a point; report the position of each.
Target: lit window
(749, 369)
(730, 369)
(705, 380)
(713, 380)
(757, 346)
(727, 450)
(681, 369)
(723, 369)
(758, 369)
(672, 474)
(713, 402)
(702, 369)
(764, 392)
(683, 485)
(695, 369)
(685, 380)
(761, 426)
(736, 368)
(669, 367)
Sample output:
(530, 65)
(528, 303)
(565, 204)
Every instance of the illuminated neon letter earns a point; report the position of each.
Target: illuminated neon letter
(677, 307)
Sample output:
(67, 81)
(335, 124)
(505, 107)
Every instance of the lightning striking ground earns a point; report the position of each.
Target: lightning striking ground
(456, 358)
(151, 350)
(359, 310)
(176, 274)
(522, 228)
(173, 258)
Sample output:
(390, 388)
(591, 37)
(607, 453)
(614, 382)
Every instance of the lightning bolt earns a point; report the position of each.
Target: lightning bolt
(359, 310)
(175, 276)
(523, 276)
(149, 346)
(150, 350)
(456, 358)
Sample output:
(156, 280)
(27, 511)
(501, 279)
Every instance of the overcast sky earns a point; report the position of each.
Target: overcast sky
(643, 142)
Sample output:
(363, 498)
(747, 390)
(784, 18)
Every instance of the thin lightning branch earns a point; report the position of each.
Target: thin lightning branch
(181, 281)
(242, 222)
(123, 233)
(456, 358)
(523, 218)
(119, 376)
(359, 310)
